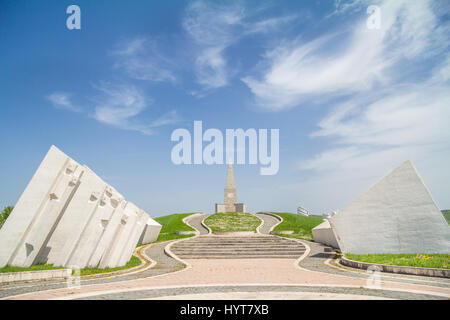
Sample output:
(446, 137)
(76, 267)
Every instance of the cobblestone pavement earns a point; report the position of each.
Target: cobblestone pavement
(269, 222)
(256, 277)
(260, 292)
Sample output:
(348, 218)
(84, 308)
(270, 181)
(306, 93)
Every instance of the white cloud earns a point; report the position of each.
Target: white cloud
(394, 84)
(123, 105)
(119, 105)
(61, 100)
(140, 58)
(350, 62)
(168, 118)
(212, 27)
(373, 135)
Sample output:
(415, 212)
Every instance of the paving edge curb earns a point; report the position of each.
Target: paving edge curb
(417, 271)
(185, 221)
(9, 277)
(260, 225)
(204, 224)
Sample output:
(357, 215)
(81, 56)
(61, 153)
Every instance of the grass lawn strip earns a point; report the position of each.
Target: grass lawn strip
(301, 225)
(172, 223)
(38, 267)
(441, 261)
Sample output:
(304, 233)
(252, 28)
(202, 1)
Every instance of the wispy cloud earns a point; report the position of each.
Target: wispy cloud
(394, 92)
(61, 100)
(214, 28)
(168, 118)
(140, 58)
(348, 62)
(121, 106)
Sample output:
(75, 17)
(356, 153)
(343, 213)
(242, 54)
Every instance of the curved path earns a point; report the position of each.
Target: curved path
(196, 223)
(269, 222)
(304, 278)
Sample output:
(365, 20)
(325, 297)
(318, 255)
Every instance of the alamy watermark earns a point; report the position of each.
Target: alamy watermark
(374, 279)
(74, 20)
(74, 279)
(374, 19)
(191, 151)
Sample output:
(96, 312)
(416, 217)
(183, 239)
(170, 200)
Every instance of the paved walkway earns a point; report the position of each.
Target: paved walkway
(196, 223)
(256, 279)
(269, 222)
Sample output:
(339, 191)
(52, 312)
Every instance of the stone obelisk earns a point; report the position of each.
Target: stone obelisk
(230, 194)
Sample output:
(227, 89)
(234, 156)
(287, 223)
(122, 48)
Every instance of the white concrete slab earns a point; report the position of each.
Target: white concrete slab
(150, 232)
(27, 210)
(68, 216)
(78, 213)
(106, 240)
(324, 234)
(396, 215)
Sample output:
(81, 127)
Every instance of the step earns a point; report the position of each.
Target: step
(246, 245)
(236, 250)
(215, 253)
(242, 257)
(237, 242)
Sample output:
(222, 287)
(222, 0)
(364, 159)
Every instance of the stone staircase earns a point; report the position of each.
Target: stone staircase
(238, 247)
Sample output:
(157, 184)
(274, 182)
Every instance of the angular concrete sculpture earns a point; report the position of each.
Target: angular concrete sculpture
(397, 215)
(151, 232)
(324, 234)
(68, 216)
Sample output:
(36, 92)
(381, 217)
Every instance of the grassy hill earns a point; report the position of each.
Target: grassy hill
(301, 225)
(232, 222)
(170, 224)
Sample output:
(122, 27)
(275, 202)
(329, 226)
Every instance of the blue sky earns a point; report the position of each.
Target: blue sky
(351, 103)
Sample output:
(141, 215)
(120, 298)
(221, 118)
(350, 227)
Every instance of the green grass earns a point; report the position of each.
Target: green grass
(37, 267)
(5, 214)
(446, 214)
(133, 262)
(301, 225)
(232, 222)
(412, 260)
(172, 223)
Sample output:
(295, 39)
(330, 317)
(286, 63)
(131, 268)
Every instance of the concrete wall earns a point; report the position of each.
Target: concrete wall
(151, 232)
(239, 207)
(221, 208)
(68, 216)
(396, 215)
(324, 234)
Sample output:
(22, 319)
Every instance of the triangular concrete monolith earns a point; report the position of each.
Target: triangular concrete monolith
(396, 215)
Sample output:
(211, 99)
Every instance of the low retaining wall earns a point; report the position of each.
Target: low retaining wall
(282, 232)
(34, 275)
(429, 272)
(236, 233)
(184, 233)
